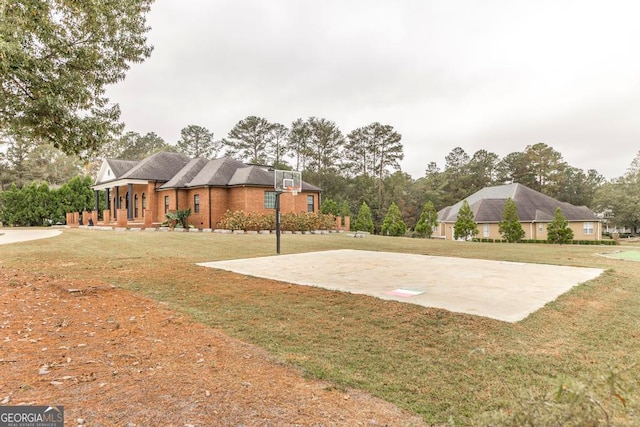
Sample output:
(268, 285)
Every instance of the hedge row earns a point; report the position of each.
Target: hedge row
(303, 221)
(574, 242)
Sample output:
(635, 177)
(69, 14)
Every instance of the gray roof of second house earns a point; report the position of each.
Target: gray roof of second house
(532, 206)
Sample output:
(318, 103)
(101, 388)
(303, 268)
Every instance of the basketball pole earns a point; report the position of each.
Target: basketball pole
(278, 193)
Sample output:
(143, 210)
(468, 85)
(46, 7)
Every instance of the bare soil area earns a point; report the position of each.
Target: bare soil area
(114, 358)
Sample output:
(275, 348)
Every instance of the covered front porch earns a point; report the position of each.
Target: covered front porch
(126, 203)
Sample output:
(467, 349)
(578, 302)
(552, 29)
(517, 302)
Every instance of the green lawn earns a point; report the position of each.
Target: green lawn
(447, 367)
(628, 255)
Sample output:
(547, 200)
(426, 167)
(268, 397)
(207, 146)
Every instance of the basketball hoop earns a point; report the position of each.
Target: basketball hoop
(292, 190)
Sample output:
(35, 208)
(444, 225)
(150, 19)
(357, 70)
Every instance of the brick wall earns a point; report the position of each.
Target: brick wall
(214, 202)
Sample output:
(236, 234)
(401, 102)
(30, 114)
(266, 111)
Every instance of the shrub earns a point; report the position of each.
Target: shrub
(364, 222)
(510, 227)
(558, 230)
(393, 225)
(465, 227)
(329, 206)
(289, 221)
(428, 220)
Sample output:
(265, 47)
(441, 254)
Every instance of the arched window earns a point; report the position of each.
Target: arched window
(135, 206)
(144, 204)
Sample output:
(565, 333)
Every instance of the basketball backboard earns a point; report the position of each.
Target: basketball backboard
(287, 181)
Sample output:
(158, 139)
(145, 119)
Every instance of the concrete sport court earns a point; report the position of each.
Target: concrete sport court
(506, 291)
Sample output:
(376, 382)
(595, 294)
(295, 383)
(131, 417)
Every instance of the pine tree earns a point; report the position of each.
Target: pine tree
(465, 226)
(197, 141)
(510, 227)
(428, 220)
(393, 225)
(364, 222)
(558, 230)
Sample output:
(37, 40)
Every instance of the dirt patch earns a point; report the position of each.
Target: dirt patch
(112, 357)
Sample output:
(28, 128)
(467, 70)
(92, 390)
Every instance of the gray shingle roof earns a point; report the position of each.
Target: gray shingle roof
(221, 172)
(252, 175)
(217, 172)
(160, 167)
(488, 206)
(186, 174)
(120, 167)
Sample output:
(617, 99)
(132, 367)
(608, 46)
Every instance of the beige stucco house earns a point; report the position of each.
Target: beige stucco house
(535, 211)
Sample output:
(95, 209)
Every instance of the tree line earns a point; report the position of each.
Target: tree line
(362, 166)
(58, 58)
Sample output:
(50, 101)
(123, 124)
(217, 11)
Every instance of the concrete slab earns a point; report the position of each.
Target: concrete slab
(504, 291)
(14, 236)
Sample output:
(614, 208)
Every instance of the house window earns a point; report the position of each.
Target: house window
(166, 204)
(196, 203)
(310, 204)
(269, 199)
(485, 230)
(587, 227)
(144, 203)
(540, 228)
(135, 206)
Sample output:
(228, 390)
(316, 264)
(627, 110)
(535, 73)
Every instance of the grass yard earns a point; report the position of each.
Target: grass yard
(446, 367)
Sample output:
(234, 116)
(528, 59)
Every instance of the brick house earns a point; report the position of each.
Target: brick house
(140, 193)
(535, 212)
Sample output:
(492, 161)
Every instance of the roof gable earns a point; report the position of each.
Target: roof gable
(159, 167)
(113, 169)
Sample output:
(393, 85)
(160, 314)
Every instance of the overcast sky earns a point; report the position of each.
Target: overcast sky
(486, 74)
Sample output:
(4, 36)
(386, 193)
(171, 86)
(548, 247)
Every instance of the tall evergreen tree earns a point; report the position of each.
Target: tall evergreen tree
(325, 144)
(299, 137)
(465, 226)
(510, 227)
(546, 166)
(515, 168)
(278, 146)
(374, 150)
(457, 183)
(428, 220)
(197, 141)
(364, 222)
(248, 141)
(393, 225)
(482, 169)
(558, 230)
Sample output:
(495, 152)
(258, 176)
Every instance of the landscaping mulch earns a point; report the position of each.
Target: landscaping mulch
(112, 357)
